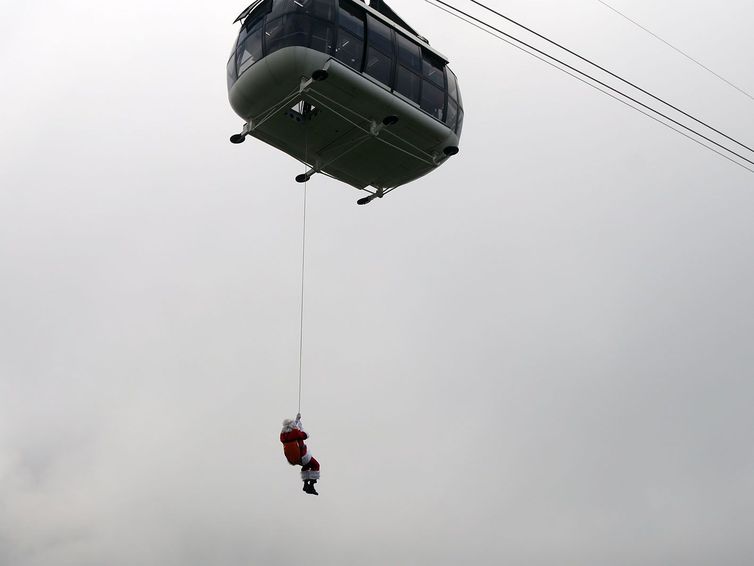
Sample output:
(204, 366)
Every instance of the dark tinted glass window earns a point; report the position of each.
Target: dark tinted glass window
(319, 8)
(452, 114)
(409, 53)
(253, 20)
(459, 127)
(349, 49)
(433, 70)
(242, 35)
(379, 66)
(350, 44)
(298, 29)
(324, 9)
(250, 51)
(293, 29)
(433, 99)
(452, 84)
(351, 20)
(408, 70)
(273, 32)
(280, 7)
(407, 83)
(323, 36)
(380, 36)
(232, 70)
(379, 62)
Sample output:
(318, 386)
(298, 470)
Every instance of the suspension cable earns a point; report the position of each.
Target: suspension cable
(674, 48)
(457, 11)
(609, 72)
(603, 91)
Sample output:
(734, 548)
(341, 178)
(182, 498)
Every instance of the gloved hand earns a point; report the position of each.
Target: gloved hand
(298, 417)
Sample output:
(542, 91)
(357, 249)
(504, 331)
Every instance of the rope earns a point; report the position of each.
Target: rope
(303, 275)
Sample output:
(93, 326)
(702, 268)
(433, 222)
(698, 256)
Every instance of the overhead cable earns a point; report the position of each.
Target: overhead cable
(673, 47)
(609, 72)
(608, 93)
(458, 11)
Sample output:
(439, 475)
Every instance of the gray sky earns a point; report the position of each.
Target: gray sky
(540, 354)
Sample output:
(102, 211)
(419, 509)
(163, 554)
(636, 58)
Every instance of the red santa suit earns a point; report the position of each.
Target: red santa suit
(292, 436)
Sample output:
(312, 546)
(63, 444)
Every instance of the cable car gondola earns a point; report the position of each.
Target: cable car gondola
(348, 88)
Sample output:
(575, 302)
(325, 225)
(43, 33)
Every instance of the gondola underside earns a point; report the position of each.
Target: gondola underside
(337, 121)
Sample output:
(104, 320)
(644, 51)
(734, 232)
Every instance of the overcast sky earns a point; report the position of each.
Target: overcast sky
(540, 354)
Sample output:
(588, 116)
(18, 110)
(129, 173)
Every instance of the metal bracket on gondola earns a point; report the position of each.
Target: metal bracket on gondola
(445, 154)
(305, 85)
(375, 128)
(240, 138)
(304, 177)
(317, 76)
(319, 166)
(247, 11)
(379, 193)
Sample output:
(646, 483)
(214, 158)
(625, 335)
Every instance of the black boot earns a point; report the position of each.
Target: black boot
(312, 491)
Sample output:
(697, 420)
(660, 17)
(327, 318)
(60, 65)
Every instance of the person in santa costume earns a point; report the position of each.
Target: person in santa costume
(292, 436)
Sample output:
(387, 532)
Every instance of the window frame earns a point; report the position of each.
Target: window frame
(368, 44)
(258, 26)
(349, 8)
(457, 125)
(433, 61)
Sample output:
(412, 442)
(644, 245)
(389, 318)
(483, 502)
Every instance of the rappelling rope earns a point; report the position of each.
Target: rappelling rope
(303, 273)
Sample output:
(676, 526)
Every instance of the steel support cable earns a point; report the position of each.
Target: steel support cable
(609, 72)
(317, 97)
(611, 95)
(594, 79)
(262, 117)
(428, 156)
(303, 274)
(674, 48)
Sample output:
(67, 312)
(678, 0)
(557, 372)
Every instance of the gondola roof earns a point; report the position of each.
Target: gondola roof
(377, 8)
